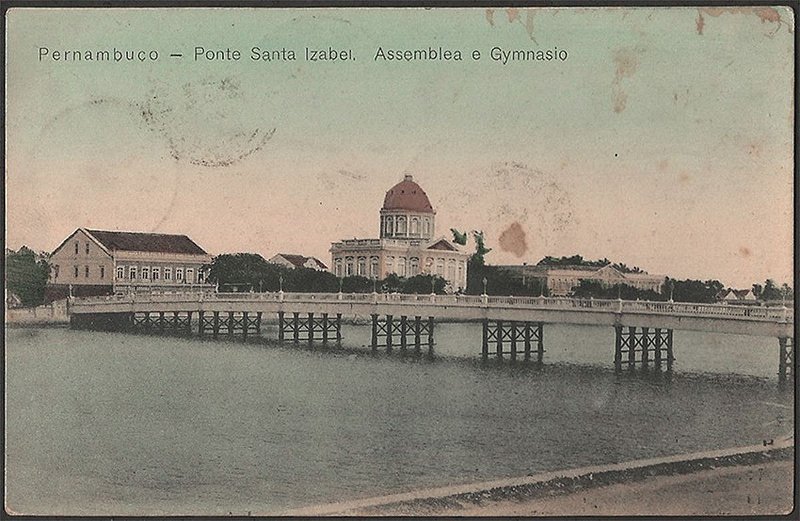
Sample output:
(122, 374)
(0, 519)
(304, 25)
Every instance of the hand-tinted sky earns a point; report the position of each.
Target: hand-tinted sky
(663, 141)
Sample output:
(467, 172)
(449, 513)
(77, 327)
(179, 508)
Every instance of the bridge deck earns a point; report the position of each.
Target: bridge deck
(721, 318)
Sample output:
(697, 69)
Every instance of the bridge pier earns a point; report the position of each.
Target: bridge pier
(786, 359)
(386, 331)
(235, 323)
(309, 329)
(630, 341)
(502, 333)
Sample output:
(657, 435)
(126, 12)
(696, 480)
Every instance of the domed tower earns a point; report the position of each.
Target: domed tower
(407, 213)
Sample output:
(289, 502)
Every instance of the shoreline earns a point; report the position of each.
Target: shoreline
(456, 500)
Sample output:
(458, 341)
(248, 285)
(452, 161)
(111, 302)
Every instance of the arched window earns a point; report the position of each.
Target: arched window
(338, 267)
(401, 225)
(451, 270)
(362, 266)
(414, 226)
(389, 225)
(373, 267)
(414, 266)
(440, 267)
(348, 267)
(389, 265)
(426, 227)
(401, 266)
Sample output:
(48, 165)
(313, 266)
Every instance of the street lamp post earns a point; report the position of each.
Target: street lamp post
(280, 283)
(671, 290)
(433, 285)
(484, 285)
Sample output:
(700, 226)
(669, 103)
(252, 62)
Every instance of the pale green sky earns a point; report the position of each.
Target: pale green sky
(664, 140)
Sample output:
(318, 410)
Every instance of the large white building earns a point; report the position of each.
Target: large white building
(407, 245)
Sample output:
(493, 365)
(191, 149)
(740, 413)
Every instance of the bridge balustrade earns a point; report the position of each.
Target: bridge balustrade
(777, 314)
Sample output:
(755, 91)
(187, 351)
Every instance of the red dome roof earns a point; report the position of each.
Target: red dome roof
(407, 195)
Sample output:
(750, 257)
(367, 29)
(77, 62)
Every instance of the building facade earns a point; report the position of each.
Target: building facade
(291, 260)
(560, 280)
(97, 262)
(407, 245)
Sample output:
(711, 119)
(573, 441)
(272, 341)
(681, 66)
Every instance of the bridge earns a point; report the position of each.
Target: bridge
(643, 328)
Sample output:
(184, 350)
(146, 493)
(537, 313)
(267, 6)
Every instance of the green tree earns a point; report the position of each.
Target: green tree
(771, 291)
(307, 280)
(27, 276)
(500, 281)
(422, 284)
(246, 269)
(595, 289)
(358, 284)
(693, 290)
(393, 283)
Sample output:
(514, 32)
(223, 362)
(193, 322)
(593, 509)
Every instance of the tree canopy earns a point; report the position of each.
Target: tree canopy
(26, 275)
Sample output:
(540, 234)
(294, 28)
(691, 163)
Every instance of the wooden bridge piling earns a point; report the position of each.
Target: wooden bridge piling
(485, 340)
(630, 341)
(391, 331)
(309, 328)
(511, 333)
(431, 341)
(785, 359)
(417, 334)
(403, 330)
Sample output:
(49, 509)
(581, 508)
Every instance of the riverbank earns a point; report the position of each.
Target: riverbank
(53, 314)
(740, 481)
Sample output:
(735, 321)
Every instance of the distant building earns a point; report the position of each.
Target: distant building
(560, 280)
(97, 262)
(737, 296)
(407, 244)
(292, 261)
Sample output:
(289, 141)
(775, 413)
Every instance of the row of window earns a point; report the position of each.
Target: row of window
(401, 266)
(133, 273)
(76, 271)
(398, 225)
(154, 273)
(78, 247)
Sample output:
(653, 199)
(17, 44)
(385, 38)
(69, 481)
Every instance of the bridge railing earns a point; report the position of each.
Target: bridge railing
(778, 314)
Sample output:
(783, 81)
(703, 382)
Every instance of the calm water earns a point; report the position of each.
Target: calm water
(111, 423)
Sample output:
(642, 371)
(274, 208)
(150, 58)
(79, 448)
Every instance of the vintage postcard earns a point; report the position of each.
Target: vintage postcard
(399, 261)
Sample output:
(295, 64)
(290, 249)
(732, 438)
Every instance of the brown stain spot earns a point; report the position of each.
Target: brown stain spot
(626, 61)
(684, 178)
(700, 22)
(512, 240)
(490, 16)
(529, 23)
(744, 251)
(512, 13)
(754, 150)
(765, 14)
(663, 165)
